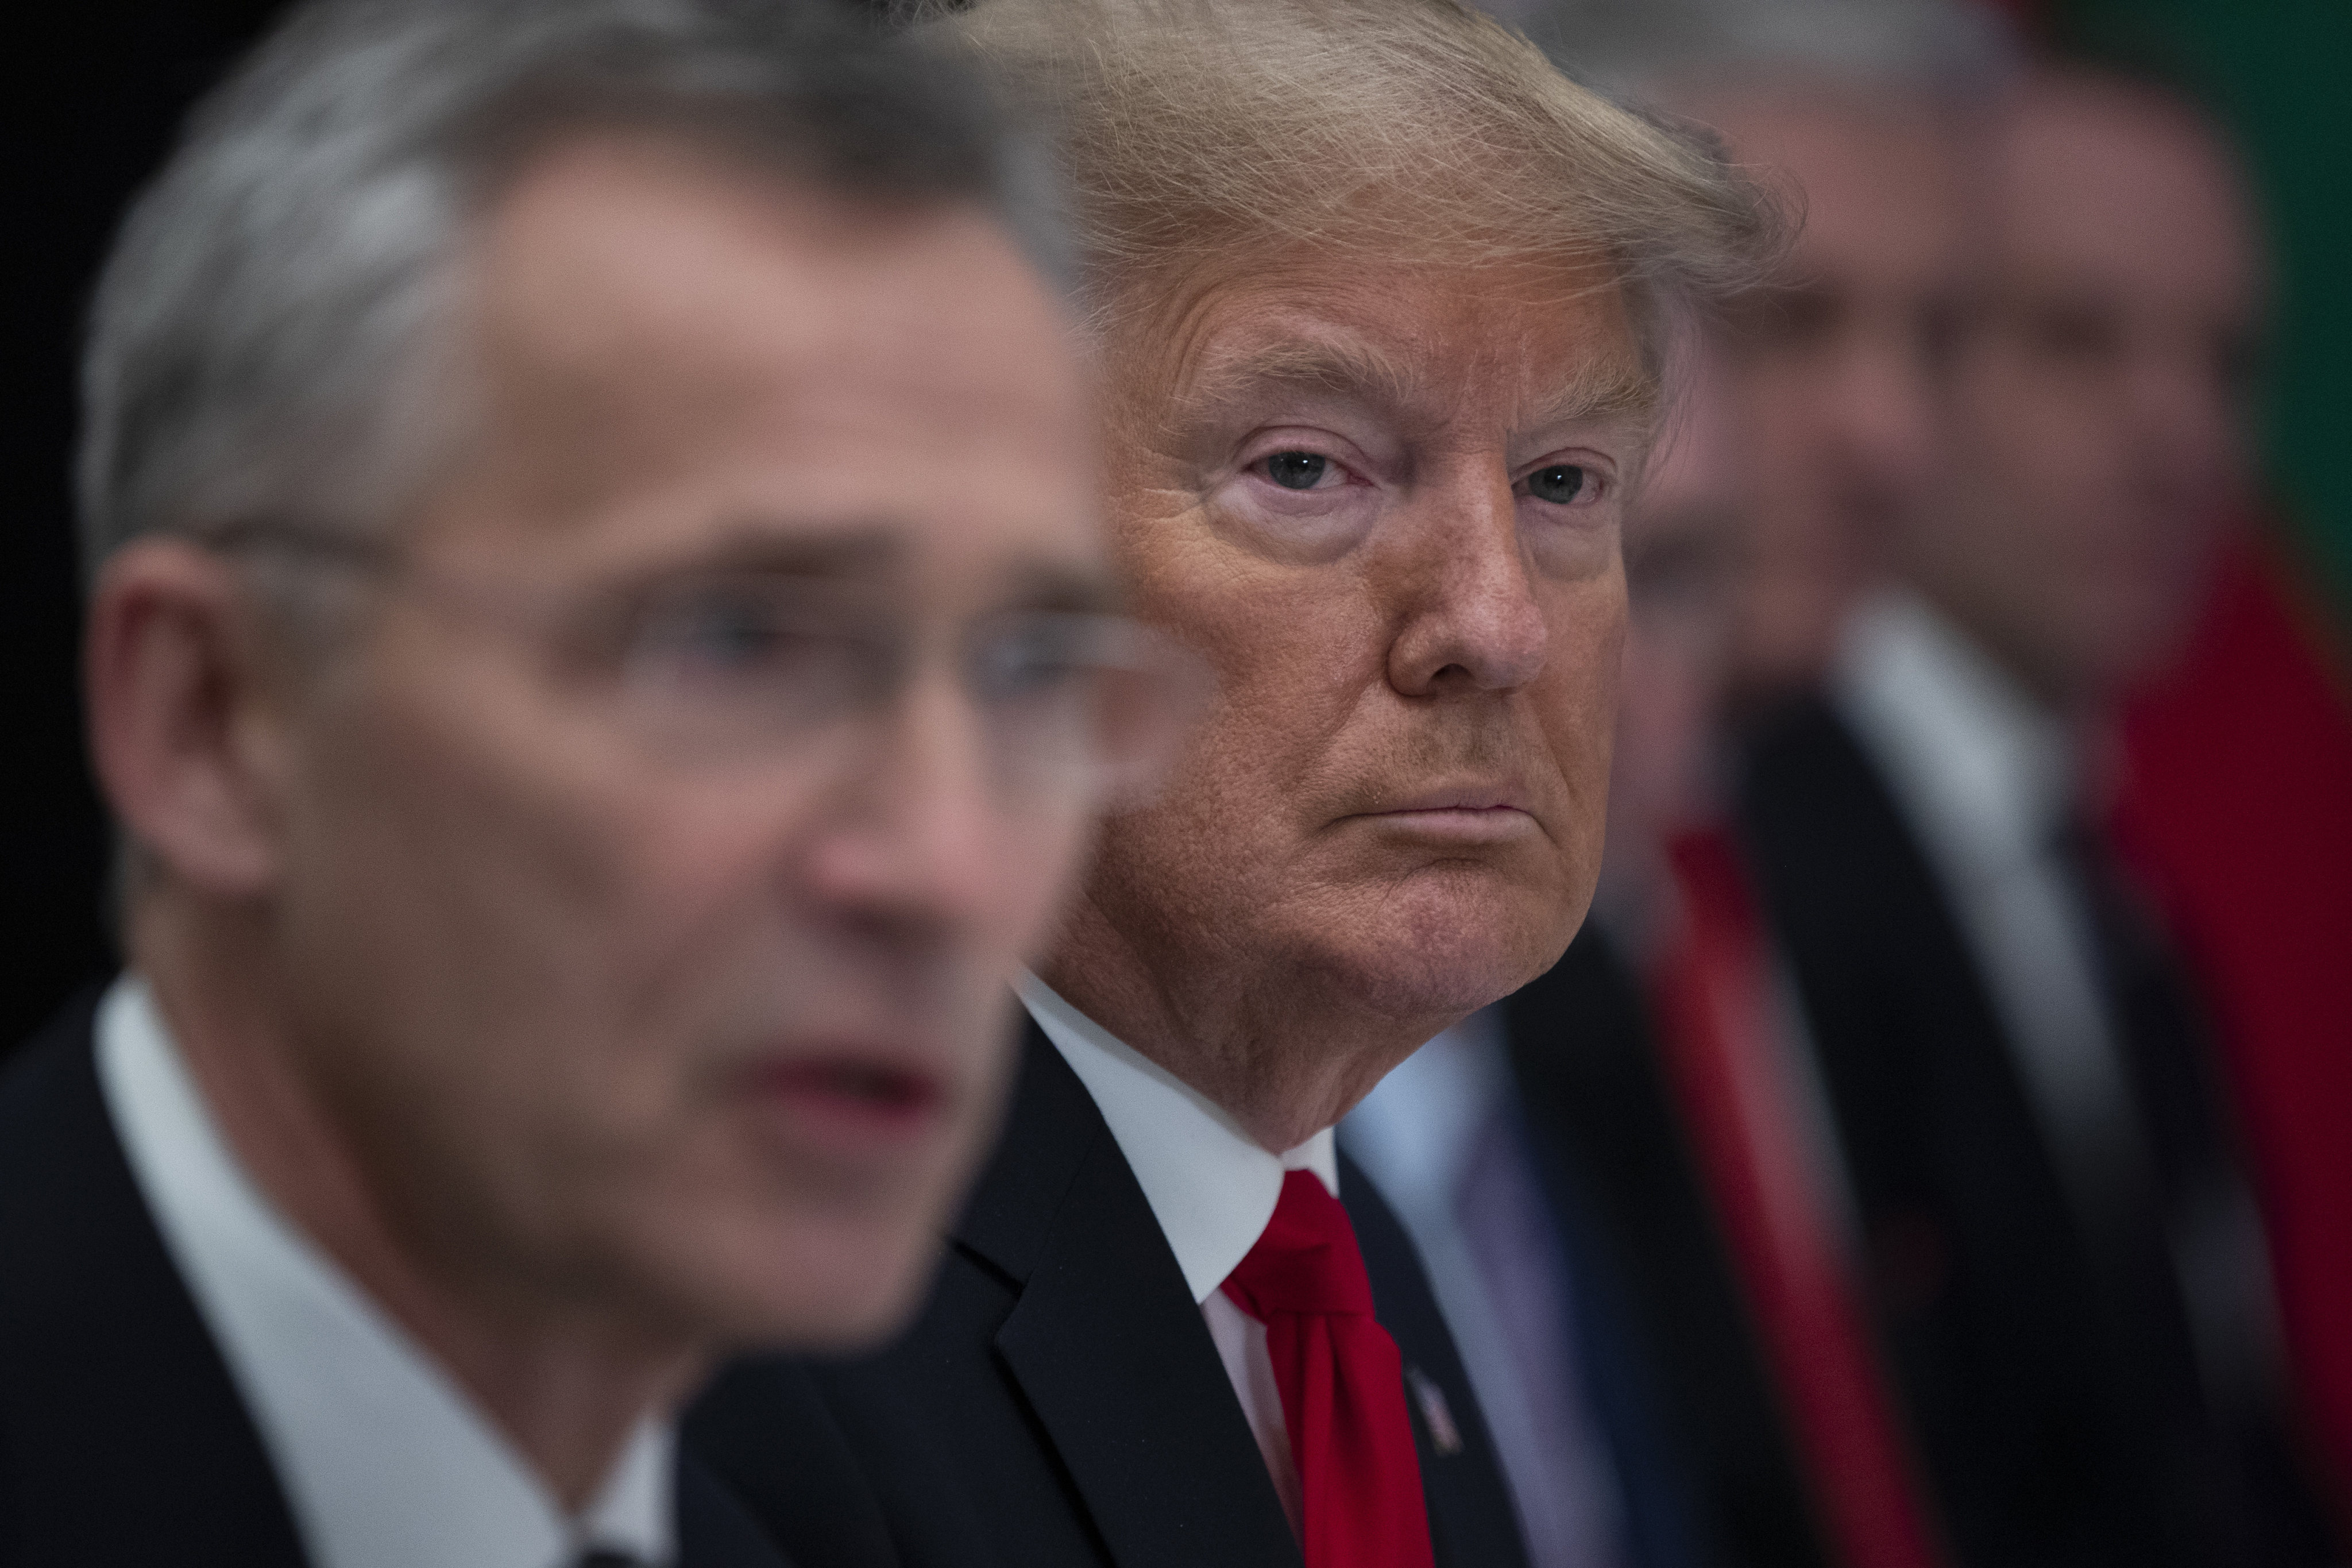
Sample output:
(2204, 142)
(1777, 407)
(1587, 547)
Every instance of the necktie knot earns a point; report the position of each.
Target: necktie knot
(1341, 1382)
(1306, 1260)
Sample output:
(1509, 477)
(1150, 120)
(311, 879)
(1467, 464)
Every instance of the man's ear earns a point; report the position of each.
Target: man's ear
(182, 726)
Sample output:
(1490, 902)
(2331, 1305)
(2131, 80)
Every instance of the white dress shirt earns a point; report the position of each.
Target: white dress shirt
(384, 1459)
(1211, 1187)
(1985, 775)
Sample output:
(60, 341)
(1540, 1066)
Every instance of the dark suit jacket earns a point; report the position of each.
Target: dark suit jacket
(122, 1439)
(2048, 1373)
(1680, 1382)
(1059, 1403)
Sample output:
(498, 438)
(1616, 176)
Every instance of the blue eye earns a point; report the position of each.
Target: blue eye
(1297, 470)
(1560, 484)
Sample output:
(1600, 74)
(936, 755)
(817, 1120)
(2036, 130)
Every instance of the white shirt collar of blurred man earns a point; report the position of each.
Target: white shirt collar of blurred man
(385, 1462)
(1991, 772)
(1987, 779)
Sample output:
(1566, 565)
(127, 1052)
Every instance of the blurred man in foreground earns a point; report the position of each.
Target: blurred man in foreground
(2071, 1274)
(587, 771)
(1384, 302)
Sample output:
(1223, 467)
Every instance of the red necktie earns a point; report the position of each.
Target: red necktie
(1342, 1384)
(1717, 1008)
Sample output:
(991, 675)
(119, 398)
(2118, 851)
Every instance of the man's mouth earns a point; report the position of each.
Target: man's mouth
(852, 1096)
(1473, 814)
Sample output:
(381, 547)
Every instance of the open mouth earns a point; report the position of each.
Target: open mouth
(856, 1096)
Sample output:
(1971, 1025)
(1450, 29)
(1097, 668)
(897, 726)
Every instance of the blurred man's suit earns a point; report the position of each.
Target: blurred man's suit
(1622, 1372)
(2067, 1272)
(126, 1439)
(1061, 1391)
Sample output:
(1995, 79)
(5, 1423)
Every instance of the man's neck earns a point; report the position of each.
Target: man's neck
(1283, 1054)
(565, 1387)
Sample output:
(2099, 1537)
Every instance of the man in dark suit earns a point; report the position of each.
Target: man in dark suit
(2070, 1271)
(583, 785)
(1371, 413)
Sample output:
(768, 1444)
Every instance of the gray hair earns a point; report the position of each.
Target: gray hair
(1198, 131)
(1937, 48)
(271, 330)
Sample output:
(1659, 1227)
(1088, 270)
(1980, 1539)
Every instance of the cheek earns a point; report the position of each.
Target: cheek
(1576, 704)
(1584, 677)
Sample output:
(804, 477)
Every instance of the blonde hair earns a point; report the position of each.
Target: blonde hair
(1199, 131)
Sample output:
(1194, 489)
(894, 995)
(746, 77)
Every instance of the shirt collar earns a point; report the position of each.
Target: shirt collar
(1987, 770)
(1210, 1186)
(1415, 1135)
(385, 1460)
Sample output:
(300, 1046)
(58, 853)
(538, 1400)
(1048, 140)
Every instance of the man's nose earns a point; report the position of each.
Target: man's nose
(1471, 619)
(915, 844)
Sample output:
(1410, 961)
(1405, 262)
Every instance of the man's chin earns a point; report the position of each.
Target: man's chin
(833, 1286)
(1430, 957)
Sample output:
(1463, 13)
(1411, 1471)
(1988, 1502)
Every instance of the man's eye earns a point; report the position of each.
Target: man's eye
(713, 633)
(1029, 661)
(1297, 470)
(1559, 484)
(723, 637)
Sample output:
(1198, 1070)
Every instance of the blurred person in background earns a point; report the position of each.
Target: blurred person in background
(1865, 112)
(2071, 1274)
(585, 783)
(1384, 302)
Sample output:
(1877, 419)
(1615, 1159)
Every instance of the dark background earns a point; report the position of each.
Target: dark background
(102, 86)
(100, 90)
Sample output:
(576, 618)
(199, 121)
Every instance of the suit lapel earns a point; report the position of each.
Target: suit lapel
(1107, 1346)
(713, 1530)
(126, 1440)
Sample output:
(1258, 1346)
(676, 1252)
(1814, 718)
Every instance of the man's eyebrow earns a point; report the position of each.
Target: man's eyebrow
(802, 547)
(1041, 585)
(1605, 386)
(1354, 370)
(784, 548)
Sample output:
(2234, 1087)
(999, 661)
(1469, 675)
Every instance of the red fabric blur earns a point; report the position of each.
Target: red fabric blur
(1733, 1073)
(1342, 1386)
(2236, 811)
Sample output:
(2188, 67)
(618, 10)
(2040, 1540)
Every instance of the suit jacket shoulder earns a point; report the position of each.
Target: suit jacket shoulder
(1058, 1402)
(122, 1439)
